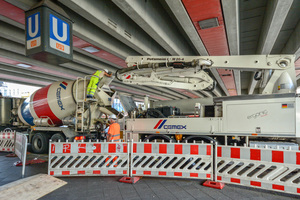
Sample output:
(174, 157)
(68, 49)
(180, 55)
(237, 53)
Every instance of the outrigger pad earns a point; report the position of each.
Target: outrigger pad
(131, 180)
(214, 184)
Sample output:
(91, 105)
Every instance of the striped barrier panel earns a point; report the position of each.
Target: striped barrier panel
(88, 159)
(7, 141)
(176, 160)
(276, 170)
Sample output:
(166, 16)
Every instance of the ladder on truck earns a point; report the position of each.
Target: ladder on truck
(80, 124)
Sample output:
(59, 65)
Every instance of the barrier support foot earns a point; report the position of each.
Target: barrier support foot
(214, 184)
(30, 162)
(131, 180)
(11, 155)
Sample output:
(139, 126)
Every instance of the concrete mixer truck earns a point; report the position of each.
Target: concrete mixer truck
(61, 111)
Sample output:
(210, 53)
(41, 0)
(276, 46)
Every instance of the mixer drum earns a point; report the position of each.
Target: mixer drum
(55, 102)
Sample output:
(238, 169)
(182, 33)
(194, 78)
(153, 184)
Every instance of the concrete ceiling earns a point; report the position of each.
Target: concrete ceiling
(121, 28)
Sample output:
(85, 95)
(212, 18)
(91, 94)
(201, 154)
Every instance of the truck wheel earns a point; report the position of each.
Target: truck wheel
(204, 138)
(158, 137)
(40, 143)
(58, 136)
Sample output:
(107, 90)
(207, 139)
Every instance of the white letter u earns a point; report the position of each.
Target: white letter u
(54, 29)
(31, 34)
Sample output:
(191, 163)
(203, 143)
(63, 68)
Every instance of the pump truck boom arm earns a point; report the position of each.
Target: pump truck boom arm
(187, 72)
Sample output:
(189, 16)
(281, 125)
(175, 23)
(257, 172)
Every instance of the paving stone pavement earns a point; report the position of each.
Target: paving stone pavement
(90, 188)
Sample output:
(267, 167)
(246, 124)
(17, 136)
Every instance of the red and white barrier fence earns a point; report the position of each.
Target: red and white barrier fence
(88, 159)
(7, 140)
(276, 170)
(172, 160)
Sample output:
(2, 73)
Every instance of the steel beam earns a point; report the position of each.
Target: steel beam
(107, 16)
(293, 44)
(231, 18)
(154, 20)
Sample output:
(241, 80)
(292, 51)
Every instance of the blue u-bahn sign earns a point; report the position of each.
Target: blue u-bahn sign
(48, 35)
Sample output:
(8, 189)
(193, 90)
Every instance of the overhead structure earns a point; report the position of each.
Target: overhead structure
(105, 33)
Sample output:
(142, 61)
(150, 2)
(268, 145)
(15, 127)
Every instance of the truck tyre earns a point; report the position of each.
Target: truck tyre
(205, 139)
(151, 138)
(40, 143)
(58, 136)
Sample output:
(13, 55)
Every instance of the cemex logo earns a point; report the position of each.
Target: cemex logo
(63, 85)
(161, 124)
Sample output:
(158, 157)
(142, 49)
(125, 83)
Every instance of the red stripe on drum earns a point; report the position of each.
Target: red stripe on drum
(255, 183)
(278, 187)
(41, 106)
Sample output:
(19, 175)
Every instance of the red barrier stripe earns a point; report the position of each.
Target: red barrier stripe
(162, 173)
(163, 148)
(298, 190)
(277, 156)
(147, 172)
(208, 150)
(52, 173)
(255, 183)
(124, 148)
(41, 106)
(207, 175)
(278, 187)
(255, 154)
(219, 151)
(235, 180)
(235, 153)
(124, 171)
(177, 173)
(96, 172)
(158, 123)
(178, 148)
(134, 147)
(80, 172)
(147, 148)
(133, 171)
(65, 173)
(194, 150)
(97, 148)
(219, 178)
(297, 158)
(193, 174)
(111, 172)
(112, 148)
